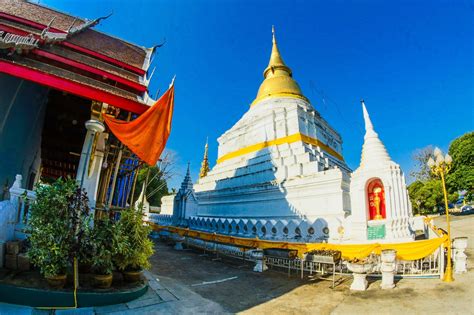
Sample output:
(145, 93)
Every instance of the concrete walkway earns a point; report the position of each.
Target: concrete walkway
(172, 299)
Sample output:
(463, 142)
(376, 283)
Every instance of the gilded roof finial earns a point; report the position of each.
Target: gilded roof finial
(273, 34)
(276, 61)
(205, 162)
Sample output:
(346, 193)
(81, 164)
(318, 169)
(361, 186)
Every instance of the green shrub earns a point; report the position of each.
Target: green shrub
(133, 248)
(58, 221)
(103, 241)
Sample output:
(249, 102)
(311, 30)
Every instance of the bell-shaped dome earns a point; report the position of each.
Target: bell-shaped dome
(278, 78)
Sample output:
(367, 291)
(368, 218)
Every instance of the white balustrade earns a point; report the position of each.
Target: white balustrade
(21, 199)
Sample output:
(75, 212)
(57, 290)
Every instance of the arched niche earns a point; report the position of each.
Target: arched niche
(375, 194)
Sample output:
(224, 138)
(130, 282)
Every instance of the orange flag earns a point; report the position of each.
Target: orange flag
(146, 136)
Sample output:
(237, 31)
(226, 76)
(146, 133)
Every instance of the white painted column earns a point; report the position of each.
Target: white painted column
(90, 180)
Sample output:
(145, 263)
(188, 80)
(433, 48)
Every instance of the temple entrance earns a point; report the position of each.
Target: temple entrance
(376, 198)
(63, 135)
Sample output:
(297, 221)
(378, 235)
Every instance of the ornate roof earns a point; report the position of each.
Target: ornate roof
(99, 42)
(68, 55)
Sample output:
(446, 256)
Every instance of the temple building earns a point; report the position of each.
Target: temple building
(58, 79)
(281, 175)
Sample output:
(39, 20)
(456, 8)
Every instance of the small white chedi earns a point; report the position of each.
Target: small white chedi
(280, 175)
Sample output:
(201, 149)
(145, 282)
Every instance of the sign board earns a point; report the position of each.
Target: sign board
(376, 232)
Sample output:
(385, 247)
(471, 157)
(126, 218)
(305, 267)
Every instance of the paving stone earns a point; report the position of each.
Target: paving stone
(77, 311)
(166, 296)
(110, 308)
(36, 311)
(148, 275)
(6, 309)
(149, 294)
(155, 285)
(141, 303)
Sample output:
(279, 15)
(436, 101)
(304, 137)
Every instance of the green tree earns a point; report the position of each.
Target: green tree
(156, 188)
(461, 176)
(427, 196)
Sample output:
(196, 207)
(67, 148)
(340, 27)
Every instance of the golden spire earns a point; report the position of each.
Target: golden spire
(278, 77)
(205, 163)
(276, 62)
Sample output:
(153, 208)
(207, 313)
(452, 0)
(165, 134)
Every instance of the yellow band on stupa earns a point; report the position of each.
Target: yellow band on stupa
(288, 139)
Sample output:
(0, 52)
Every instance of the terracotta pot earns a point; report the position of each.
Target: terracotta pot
(132, 275)
(57, 282)
(102, 281)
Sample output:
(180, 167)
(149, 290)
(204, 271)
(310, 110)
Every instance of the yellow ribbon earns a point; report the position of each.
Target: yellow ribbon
(405, 251)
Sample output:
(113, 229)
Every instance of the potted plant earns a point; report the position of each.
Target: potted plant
(102, 241)
(133, 248)
(57, 220)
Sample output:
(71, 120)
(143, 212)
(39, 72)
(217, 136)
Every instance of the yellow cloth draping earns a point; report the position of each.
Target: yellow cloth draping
(405, 251)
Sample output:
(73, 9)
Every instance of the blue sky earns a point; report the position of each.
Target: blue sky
(412, 62)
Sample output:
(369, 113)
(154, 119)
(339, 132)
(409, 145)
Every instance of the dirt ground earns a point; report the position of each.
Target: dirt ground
(236, 288)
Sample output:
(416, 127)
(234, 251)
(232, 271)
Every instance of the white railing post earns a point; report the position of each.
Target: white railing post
(21, 199)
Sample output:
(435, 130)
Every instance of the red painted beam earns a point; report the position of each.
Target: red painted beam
(73, 46)
(15, 30)
(136, 86)
(72, 87)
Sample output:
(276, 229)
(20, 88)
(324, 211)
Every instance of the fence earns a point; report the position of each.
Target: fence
(430, 266)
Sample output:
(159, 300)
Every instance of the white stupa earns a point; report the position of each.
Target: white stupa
(379, 198)
(280, 173)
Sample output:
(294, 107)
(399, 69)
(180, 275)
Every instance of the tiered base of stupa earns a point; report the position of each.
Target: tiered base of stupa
(283, 185)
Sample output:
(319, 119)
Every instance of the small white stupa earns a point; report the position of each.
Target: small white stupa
(380, 206)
